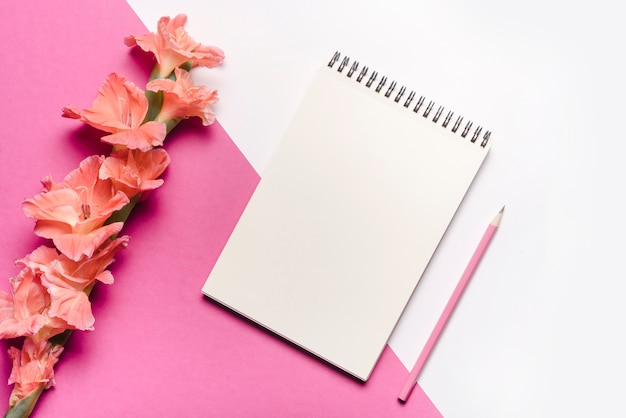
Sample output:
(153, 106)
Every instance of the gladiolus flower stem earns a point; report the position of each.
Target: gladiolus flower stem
(25, 406)
(155, 100)
(134, 120)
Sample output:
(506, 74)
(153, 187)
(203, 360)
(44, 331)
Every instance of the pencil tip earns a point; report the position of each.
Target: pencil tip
(498, 218)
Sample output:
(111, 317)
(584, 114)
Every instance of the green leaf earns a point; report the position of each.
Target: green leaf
(24, 407)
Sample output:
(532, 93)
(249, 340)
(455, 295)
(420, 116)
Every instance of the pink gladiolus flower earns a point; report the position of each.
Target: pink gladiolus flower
(66, 280)
(32, 367)
(81, 273)
(22, 313)
(73, 213)
(120, 109)
(183, 99)
(172, 46)
(134, 171)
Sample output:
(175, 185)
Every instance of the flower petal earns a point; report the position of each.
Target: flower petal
(71, 112)
(119, 105)
(22, 313)
(172, 46)
(74, 246)
(134, 171)
(71, 305)
(148, 135)
(58, 205)
(183, 99)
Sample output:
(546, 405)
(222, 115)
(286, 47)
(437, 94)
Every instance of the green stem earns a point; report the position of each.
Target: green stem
(155, 100)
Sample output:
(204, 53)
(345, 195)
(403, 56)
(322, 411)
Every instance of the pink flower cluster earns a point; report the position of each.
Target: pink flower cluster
(84, 214)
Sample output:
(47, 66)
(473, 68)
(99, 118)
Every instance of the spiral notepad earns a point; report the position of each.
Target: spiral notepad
(347, 215)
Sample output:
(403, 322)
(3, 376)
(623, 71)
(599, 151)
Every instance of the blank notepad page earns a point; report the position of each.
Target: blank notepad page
(346, 218)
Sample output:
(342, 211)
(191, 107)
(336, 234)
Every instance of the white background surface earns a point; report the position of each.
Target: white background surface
(539, 332)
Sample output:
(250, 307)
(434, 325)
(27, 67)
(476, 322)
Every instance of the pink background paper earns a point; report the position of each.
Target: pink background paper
(160, 348)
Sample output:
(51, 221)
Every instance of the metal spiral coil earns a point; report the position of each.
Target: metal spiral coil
(379, 87)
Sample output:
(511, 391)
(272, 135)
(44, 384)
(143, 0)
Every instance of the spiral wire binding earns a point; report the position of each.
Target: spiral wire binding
(419, 103)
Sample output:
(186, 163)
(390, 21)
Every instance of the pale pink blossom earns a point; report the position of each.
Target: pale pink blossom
(22, 313)
(172, 46)
(81, 273)
(120, 109)
(66, 280)
(32, 367)
(73, 213)
(183, 99)
(66, 302)
(134, 171)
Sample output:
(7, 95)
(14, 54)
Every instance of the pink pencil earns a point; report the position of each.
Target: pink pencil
(409, 384)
